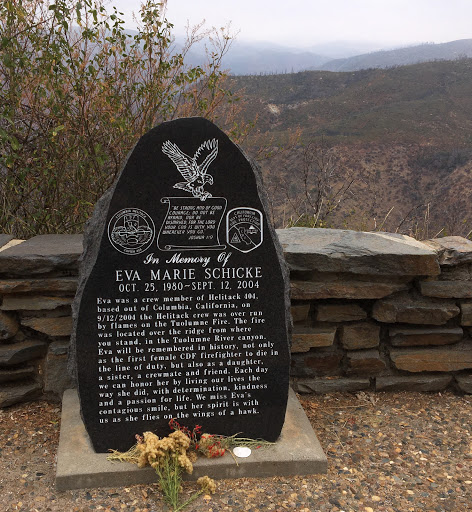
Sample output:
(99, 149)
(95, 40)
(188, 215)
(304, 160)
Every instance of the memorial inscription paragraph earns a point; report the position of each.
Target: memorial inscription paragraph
(182, 302)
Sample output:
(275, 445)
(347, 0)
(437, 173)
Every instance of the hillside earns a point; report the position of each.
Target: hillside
(423, 103)
(403, 134)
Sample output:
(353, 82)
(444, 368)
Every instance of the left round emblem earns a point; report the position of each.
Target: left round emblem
(131, 231)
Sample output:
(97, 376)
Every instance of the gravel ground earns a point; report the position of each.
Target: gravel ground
(386, 452)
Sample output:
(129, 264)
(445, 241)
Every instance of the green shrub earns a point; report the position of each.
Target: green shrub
(77, 91)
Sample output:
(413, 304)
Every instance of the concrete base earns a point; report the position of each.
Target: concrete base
(297, 452)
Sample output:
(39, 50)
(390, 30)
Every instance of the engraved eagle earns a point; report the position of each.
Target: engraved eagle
(193, 169)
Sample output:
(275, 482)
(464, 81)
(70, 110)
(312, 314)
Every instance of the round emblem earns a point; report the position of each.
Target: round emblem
(131, 231)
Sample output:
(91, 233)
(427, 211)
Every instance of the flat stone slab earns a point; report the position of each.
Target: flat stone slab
(8, 326)
(320, 362)
(305, 339)
(365, 363)
(300, 312)
(451, 250)
(466, 314)
(297, 452)
(42, 254)
(312, 290)
(405, 337)
(33, 303)
(465, 383)
(51, 285)
(360, 335)
(339, 313)
(322, 386)
(408, 309)
(338, 250)
(447, 289)
(421, 383)
(55, 326)
(9, 375)
(11, 243)
(14, 393)
(438, 359)
(16, 353)
(4, 239)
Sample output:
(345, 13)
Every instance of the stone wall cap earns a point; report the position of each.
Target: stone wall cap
(4, 239)
(451, 250)
(356, 252)
(42, 254)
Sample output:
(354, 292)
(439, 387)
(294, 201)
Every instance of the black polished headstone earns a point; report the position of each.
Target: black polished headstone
(182, 304)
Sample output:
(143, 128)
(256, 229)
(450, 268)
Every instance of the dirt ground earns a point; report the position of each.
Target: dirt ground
(397, 452)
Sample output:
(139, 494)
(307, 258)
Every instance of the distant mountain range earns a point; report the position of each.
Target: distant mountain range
(402, 56)
(262, 58)
(249, 59)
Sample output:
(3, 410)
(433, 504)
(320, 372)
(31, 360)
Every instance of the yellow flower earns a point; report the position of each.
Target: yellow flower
(207, 484)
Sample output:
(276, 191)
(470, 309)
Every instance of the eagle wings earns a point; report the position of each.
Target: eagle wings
(193, 169)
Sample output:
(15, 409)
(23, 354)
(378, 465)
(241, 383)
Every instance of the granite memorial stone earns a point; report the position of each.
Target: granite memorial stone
(182, 304)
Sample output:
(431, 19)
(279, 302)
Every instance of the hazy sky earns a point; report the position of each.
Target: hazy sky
(306, 22)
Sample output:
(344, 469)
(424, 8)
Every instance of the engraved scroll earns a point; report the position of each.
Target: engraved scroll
(191, 223)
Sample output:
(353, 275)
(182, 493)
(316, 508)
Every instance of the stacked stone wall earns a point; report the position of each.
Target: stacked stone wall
(374, 311)
(379, 311)
(38, 280)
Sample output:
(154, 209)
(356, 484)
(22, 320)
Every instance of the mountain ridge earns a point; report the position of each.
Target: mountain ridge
(426, 52)
(249, 59)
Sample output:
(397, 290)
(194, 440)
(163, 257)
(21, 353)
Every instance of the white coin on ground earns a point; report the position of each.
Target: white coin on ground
(242, 451)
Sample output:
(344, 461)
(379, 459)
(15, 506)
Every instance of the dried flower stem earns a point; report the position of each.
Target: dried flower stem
(234, 440)
(170, 481)
(172, 455)
(132, 455)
